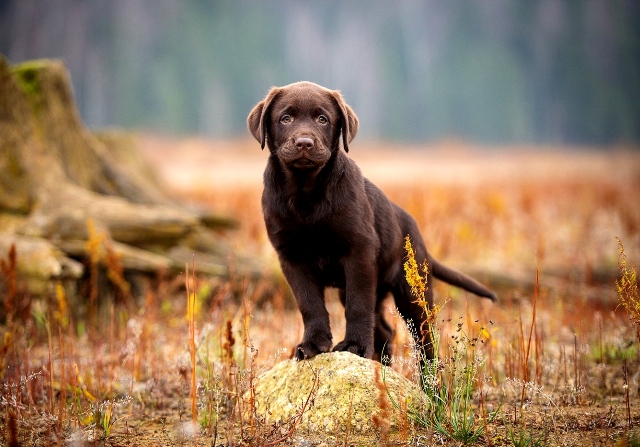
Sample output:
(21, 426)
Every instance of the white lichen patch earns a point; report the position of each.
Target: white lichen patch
(341, 392)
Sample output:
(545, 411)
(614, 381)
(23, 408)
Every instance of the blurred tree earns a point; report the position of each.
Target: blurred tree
(493, 72)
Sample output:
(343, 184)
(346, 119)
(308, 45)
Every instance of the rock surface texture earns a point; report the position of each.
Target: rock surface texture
(341, 393)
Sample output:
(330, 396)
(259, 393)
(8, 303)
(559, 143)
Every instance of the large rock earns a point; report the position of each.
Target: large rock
(340, 384)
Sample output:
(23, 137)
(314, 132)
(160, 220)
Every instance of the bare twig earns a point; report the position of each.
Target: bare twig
(296, 422)
(525, 363)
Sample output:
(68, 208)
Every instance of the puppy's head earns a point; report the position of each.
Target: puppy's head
(301, 123)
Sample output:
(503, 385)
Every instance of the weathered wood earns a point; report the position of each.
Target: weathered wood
(64, 213)
(125, 168)
(57, 179)
(15, 132)
(131, 258)
(39, 262)
(524, 281)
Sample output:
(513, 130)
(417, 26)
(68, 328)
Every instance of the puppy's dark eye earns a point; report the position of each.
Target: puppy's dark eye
(323, 119)
(286, 119)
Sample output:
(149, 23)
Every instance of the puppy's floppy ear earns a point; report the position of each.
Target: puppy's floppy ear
(349, 120)
(257, 119)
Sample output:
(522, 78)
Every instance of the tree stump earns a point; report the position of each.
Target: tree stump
(59, 183)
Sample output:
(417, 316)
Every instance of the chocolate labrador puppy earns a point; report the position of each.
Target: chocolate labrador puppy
(331, 227)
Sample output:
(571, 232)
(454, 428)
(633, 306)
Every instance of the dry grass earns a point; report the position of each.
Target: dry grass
(566, 376)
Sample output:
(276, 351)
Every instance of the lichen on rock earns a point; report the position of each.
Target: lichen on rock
(341, 391)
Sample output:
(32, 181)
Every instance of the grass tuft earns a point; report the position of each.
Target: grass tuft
(627, 288)
(449, 380)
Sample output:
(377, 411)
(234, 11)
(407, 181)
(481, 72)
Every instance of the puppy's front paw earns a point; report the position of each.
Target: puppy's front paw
(307, 350)
(355, 348)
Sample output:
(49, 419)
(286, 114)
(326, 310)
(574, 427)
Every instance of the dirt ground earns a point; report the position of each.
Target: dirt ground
(559, 190)
(500, 214)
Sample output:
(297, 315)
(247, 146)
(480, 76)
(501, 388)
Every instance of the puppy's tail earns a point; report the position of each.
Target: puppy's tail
(459, 279)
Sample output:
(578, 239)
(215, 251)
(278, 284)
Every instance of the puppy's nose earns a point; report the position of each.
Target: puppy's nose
(304, 143)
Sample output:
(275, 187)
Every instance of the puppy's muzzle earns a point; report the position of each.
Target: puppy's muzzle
(304, 144)
(304, 152)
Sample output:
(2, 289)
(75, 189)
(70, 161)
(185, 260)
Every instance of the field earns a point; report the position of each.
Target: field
(557, 355)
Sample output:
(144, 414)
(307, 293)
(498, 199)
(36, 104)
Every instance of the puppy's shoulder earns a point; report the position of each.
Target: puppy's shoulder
(374, 192)
(347, 169)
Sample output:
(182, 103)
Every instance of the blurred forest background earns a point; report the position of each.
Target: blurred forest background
(492, 72)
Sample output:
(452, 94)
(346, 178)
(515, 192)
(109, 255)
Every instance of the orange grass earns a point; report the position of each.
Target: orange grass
(191, 316)
(497, 215)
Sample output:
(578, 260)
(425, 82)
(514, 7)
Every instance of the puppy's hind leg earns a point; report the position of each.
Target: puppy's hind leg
(415, 317)
(382, 337)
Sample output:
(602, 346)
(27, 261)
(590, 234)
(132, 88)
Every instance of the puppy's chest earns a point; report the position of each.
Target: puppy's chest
(317, 244)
